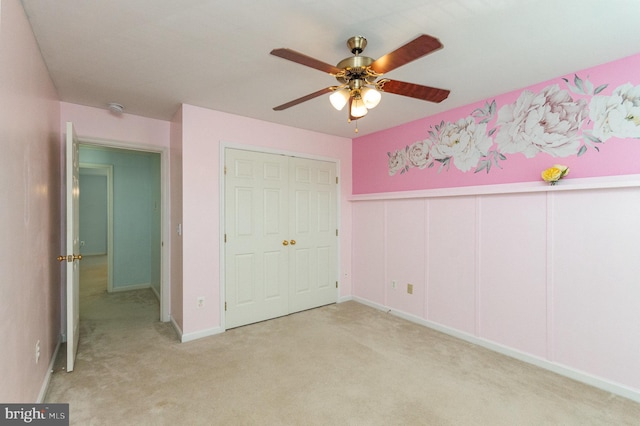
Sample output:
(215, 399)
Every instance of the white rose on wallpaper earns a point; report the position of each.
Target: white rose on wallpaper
(548, 122)
(397, 161)
(418, 155)
(464, 141)
(617, 115)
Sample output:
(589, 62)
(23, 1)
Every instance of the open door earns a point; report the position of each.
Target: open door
(73, 255)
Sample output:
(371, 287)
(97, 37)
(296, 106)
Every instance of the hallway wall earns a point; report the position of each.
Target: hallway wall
(136, 211)
(93, 213)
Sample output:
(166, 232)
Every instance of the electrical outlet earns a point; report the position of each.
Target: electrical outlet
(37, 351)
(410, 288)
(201, 302)
(394, 284)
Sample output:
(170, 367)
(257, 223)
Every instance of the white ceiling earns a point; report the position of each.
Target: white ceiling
(153, 55)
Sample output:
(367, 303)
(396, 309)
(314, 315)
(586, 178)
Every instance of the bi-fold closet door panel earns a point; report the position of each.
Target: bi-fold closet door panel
(280, 232)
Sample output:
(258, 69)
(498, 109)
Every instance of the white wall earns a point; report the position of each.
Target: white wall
(546, 274)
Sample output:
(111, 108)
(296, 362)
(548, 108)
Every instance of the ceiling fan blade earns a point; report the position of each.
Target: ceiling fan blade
(409, 52)
(426, 93)
(308, 61)
(304, 98)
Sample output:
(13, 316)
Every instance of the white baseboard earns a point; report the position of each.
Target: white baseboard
(130, 287)
(343, 299)
(188, 337)
(580, 376)
(47, 378)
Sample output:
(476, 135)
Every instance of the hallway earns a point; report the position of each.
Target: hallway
(137, 306)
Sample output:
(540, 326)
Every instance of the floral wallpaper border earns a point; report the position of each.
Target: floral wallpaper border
(562, 120)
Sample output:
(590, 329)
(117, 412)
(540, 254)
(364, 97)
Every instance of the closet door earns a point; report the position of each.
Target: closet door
(256, 225)
(280, 231)
(313, 212)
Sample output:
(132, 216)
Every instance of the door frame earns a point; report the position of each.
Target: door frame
(109, 174)
(221, 182)
(165, 202)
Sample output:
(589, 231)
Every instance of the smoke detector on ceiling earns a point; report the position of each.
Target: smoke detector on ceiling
(115, 108)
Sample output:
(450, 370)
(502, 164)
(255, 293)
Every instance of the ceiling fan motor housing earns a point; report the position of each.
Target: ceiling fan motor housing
(355, 68)
(357, 44)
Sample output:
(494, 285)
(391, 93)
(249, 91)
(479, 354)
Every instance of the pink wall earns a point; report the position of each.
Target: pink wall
(100, 124)
(203, 131)
(533, 129)
(30, 214)
(546, 274)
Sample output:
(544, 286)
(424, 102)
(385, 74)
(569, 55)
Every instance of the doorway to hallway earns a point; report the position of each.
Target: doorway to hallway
(121, 220)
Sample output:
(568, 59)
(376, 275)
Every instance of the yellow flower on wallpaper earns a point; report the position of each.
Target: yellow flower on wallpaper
(555, 173)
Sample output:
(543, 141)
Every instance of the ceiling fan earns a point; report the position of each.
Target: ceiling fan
(359, 76)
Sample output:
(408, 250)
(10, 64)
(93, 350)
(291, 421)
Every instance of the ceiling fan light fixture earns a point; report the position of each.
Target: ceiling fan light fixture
(371, 97)
(358, 109)
(339, 98)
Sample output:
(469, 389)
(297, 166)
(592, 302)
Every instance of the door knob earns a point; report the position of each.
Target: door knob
(69, 258)
(285, 243)
(293, 242)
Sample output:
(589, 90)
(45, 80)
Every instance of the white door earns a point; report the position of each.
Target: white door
(280, 233)
(73, 245)
(256, 190)
(312, 218)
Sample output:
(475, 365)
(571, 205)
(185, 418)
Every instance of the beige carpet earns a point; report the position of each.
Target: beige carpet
(344, 364)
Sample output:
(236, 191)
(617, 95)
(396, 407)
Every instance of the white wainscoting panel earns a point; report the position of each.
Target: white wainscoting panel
(596, 282)
(512, 271)
(451, 263)
(551, 273)
(404, 242)
(368, 242)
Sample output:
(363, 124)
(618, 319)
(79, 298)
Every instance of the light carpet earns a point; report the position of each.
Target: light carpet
(345, 364)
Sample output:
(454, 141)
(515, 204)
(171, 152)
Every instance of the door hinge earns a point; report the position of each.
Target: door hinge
(336, 232)
(336, 180)
(336, 284)
(225, 170)
(225, 238)
(225, 306)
